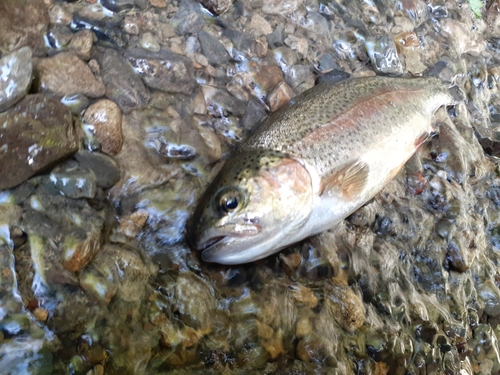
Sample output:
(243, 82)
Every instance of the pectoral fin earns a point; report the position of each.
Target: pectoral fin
(348, 182)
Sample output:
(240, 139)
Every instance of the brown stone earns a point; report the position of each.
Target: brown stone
(37, 132)
(65, 74)
(106, 119)
(23, 23)
(280, 96)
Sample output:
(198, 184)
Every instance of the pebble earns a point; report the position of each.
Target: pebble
(220, 103)
(105, 168)
(383, 55)
(106, 120)
(217, 7)
(123, 85)
(188, 19)
(16, 71)
(149, 42)
(65, 74)
(259, 26)
(81, 43)
(37, 132)
(343, 305)
(60, 15)
(214, 51)
(131, 25)
(164, 70)
(280, 96)
(23, 26)
(158, 3)
(106, 32)
(118, 5)
(281, 7)
(74, 181)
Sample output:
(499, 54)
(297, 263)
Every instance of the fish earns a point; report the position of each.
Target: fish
(312, 163)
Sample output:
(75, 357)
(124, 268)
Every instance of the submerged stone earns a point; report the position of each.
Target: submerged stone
(37, 132)
(15, 77)
(164, 70)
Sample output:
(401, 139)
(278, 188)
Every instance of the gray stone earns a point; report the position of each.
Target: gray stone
(118, 5)
(15, 77)
(123, 86)
(220, 103)
(281, 7)
(164, 70)
(189, 18)
(383, 55)
(37, 132)
(213, 49)
(243, 43)
(74, 181)
(105, 169)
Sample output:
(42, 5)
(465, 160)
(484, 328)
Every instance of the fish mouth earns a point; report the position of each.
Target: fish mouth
(209, 243)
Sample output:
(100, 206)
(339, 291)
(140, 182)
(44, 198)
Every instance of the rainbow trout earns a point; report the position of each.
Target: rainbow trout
(313, 163)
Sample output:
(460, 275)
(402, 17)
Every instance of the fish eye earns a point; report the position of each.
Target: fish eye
(228, 200)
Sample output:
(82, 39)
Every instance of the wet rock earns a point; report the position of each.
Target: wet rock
(217, 6)
(132, 225)
(213, 49)
(280, 96)
(383, 55)
(343, 305)
(59, 14)
(106, 120)
(244, 44)
(259, 26)
(149, 42)
(164, 70)
(103, 30)
(489, 293)
(158, 3)
(276, 39)
(254, 114)
(116, 271)
(105, 169)
(118, 5)
(281, 7)
(76, 103)
(299, 77)
(64, 235)
(37, 132)
(123, 86)
(15, 77)
(195, 302)
(188, 19)
(220, 103)
(267, 77)
(65, 74)
(74, 181)
(23, 24)
(81, 43)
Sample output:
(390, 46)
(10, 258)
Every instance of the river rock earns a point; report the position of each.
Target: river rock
(105, 169)
(23, 23)
(74, 181)
(106, 119)
(81, 43)
(123, 86)
(65, 74)
(164, 70)
(188, 19)
(343, 305)
(281, 7)
(122, 271)
(15, 77)
(36, 133)
(213, 49)
(73, 225)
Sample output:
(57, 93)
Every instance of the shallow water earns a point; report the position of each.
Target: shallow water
(409, 284)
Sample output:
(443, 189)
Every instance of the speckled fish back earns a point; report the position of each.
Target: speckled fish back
(333, 123)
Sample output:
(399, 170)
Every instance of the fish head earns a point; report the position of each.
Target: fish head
(248, 212)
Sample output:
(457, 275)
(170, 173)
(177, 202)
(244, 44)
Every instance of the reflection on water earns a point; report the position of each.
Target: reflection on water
(100, 281)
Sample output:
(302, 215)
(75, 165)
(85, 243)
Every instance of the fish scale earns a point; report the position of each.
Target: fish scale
(313, 163)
